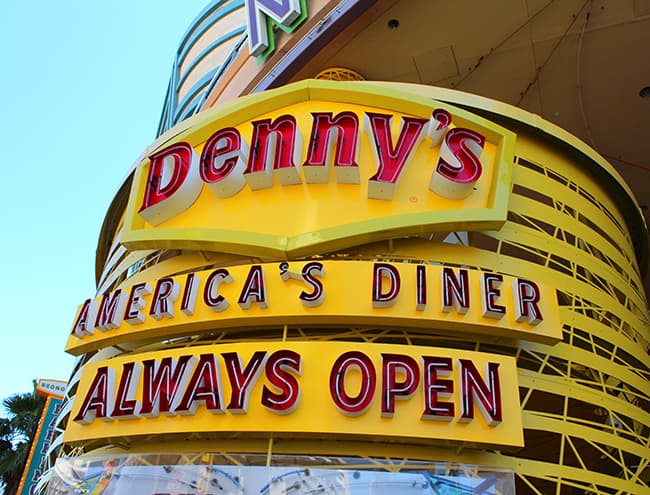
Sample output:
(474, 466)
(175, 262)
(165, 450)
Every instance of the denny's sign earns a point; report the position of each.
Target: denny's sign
(318, 166)
(328, 388)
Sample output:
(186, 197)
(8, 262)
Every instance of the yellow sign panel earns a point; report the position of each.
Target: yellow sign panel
(317, 166)
(405, 393)
(324, 293)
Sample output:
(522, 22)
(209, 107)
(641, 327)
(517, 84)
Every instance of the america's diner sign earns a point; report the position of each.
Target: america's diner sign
(429, 297)
(318, 166)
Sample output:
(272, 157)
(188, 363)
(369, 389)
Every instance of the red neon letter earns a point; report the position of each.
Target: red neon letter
(211, 295)
(420, 287)
(277, 372)
(316, 296)
(278, 143)
(527, 297)
(490, 292)
(173, 183)
(254, 288)
(204, 386)
(391, 388)
(111, 310)
(488, 394)
(392, 161)
(125, 405)
(356, 360)
(188, 303)
(161, 381)
(86, 316)
(222, 162)
(459, 166)
(455, 292)
(326, 132)
(99, 399)
(383, 271)
(242, 381)
(435, 387)
(135, 303)
(162, 303)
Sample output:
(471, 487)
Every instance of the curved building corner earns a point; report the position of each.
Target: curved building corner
(364, 255)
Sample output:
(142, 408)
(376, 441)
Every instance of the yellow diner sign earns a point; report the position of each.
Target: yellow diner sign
(318, 166)
(397, 392)
(430, 297)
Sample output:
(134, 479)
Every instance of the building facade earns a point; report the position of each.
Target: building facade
(332, 272)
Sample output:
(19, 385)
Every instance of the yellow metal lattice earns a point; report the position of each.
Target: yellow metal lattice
(585, 400)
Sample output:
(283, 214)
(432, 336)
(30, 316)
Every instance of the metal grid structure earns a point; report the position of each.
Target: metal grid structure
(584, 400)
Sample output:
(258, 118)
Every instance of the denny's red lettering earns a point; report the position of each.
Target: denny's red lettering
(173, 183)
(222, 162)
(330, 133)
(276, 146)
(392, 160)
(227, 163)
(459, 166)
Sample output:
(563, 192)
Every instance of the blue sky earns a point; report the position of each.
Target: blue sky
(82, 85)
